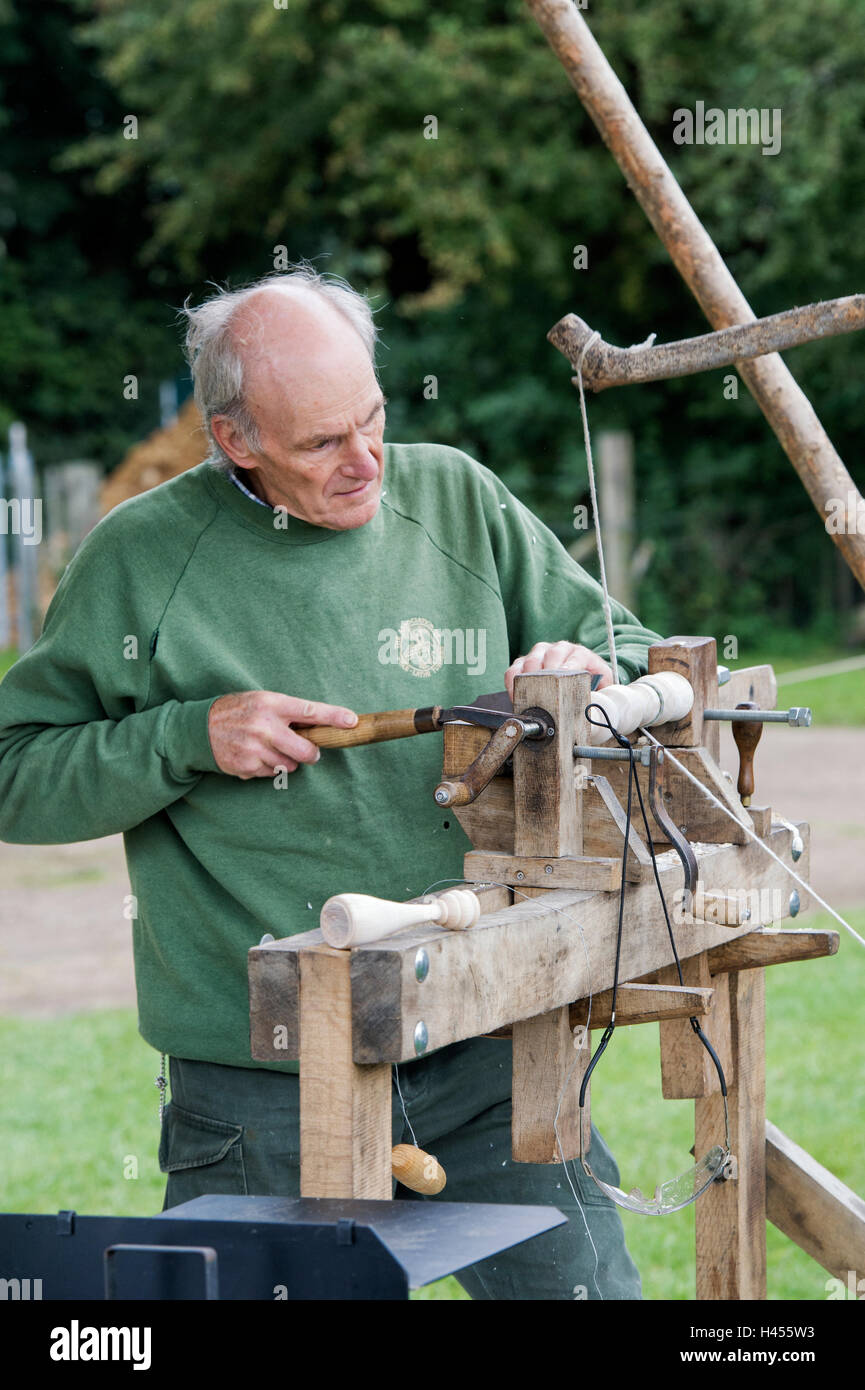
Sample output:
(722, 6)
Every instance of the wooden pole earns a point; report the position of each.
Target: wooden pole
(730, 1218)
(605, 366)
(785, 405)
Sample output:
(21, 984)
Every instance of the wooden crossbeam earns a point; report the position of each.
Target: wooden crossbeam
(515, 963)
(813, 1207)
(642, 1004)
(635, 1003)
(605, 366)
(772, 946)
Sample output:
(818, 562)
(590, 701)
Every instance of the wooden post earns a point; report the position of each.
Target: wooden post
(687, 1070)
(548, 816)
(695, 658)
(548, 821)
(345, 1132)
(731, 1216)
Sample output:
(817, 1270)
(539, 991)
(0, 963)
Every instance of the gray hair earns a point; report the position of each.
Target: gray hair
(217, 364)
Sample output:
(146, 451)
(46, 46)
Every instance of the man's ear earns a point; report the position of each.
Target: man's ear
(232, 441)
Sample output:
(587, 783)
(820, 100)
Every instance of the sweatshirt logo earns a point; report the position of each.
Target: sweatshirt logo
(421, 649)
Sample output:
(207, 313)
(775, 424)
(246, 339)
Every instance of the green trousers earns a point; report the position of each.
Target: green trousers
(235, 1130)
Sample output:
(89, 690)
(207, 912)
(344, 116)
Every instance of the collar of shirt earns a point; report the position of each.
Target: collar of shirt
(237, 483)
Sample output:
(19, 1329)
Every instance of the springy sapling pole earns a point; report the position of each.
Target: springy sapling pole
(784, 404)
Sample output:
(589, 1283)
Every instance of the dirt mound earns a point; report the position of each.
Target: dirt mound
(165, 454)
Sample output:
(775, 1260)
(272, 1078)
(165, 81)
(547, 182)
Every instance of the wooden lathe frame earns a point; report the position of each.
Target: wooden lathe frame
(522, 970)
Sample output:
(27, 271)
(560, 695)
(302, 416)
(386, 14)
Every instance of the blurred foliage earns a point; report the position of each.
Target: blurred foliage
(305, 127)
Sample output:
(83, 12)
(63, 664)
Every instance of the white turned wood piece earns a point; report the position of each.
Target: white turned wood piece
(352, 919)
(657, 699)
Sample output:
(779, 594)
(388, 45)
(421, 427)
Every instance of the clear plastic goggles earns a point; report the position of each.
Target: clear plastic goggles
(672, 1195)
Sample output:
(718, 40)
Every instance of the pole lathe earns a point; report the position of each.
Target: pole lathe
(546, 865)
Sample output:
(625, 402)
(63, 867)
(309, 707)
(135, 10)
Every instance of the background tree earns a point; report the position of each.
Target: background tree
(307, 127)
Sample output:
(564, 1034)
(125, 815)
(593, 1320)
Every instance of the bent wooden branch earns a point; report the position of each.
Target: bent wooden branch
(700, 264)
(605, 366)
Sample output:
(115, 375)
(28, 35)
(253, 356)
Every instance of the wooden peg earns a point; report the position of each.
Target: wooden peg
(747, 736)
(417, 1170)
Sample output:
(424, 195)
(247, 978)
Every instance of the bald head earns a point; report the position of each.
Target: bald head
(299, 348)
(310, 440)
(231, 326)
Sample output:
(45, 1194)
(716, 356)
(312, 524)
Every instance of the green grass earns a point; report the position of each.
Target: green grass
(78, 1116)
(815, 1064)
(7, 658)
(834, 699)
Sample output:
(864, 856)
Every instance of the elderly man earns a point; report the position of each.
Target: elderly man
(299, 574)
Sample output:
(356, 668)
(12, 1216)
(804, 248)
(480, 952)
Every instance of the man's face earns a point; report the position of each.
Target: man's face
(311, 387)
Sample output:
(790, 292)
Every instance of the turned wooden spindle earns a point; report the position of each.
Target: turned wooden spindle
(747, 735)
(350, 919)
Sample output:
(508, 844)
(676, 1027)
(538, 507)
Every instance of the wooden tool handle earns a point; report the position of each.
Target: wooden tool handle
(351, 919)
(373, 728)
(417, 1170)
(747, 736)
(719, 909)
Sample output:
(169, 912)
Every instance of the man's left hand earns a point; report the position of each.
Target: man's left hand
(558, 656)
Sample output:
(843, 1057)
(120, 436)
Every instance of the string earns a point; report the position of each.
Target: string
(608, 616)
(402, 1103)
(754, 836)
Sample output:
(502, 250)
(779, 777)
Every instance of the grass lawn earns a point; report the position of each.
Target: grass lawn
(79, 1128)
(834, 699)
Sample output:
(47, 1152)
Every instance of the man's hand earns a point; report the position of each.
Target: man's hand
(251, 735)
(558, 656)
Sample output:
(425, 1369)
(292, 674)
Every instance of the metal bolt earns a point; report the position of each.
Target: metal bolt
(442, 797)
(551, 733)
(548, 868)
(796, 849)
(520, 875)
(795, 904)
(511, 731)
(421, 964)
(421, 1037)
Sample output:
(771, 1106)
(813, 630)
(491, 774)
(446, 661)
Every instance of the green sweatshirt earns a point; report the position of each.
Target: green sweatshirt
(193, 591)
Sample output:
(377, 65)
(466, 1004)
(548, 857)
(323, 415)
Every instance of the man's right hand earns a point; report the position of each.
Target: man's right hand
(251, 734)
